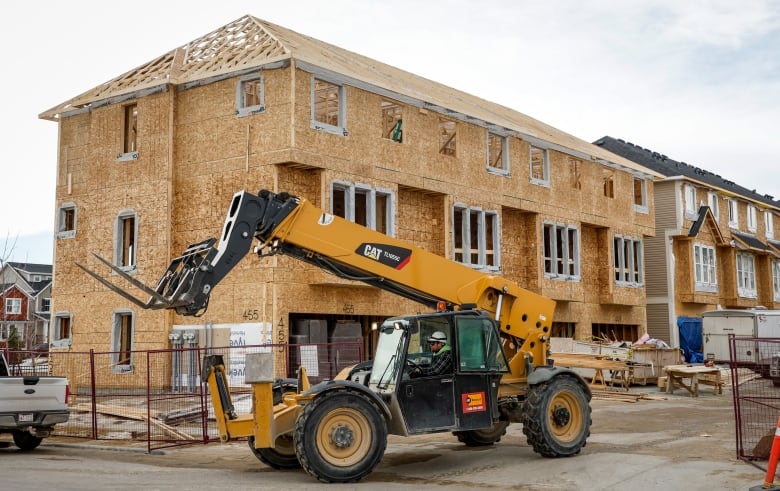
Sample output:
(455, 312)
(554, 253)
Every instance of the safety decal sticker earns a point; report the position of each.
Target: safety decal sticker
(473, 402)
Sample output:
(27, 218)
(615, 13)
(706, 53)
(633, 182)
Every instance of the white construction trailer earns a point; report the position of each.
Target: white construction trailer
(757, 323)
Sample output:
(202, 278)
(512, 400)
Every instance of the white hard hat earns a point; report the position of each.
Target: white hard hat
(438, 337)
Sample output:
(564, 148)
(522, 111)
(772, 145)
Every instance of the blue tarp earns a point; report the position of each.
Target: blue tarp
(691, 341)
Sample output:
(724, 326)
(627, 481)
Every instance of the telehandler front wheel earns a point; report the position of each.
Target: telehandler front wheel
(557, 417)
(280, 457)
(340, 437)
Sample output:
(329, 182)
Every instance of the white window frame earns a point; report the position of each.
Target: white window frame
(119, 241)
(46, 304)
(503, 160)
(56, 330)
(340, 128)
(487, 258)
(733, 213)
(752, 218)
(13, 306)
(121, 365)
(244, 83)
(62, 231)
(712, 201)
(545, 180)
(769, 224)
(354, 190)
(704, 269)
(640, 207)
(560, 251)
(689, 195)
(746, 275)
(776, 279)
(628, 268)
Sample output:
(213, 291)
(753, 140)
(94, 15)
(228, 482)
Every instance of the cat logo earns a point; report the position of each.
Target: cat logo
(373, 252)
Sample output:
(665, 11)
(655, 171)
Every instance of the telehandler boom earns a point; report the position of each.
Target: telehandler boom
(337, 430)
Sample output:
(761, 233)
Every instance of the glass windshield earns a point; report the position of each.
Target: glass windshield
(389, 357)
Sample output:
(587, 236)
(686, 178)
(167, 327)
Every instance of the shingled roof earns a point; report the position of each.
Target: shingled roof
(250, 43)
(671, 168)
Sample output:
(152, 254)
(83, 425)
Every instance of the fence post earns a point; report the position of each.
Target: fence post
(93, 393)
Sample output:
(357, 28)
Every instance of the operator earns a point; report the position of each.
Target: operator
(442, 357)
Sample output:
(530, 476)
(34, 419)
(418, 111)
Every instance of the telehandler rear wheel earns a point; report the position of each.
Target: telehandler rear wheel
(340, 437)
(557, 417)
(280, 457)
(481, 438)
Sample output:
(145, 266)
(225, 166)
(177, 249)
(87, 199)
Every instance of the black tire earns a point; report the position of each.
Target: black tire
(340, 437)
(280, 457)
(482, 438)
(25, 440)
(557, 417)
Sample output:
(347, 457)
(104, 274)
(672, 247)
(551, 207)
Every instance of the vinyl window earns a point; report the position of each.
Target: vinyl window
(733, 214)
(125, 240)
(540, 166)
(690, 200)
(122, 341)
(13, 306)
(628, 261)
(561, 251)
(63, 329)
(475, 237)
(364, 205)
(752, 221)
(328, 107)
(712, 201)
(129, 133)
(746, 275)
(250, 95)
(776, 279)
(769, 224)
(497, 153)
(704, 268)
(640, 194)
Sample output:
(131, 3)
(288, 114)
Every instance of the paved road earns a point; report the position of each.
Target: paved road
(680, 443)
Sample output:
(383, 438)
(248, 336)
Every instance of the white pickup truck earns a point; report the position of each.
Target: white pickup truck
(30, 406)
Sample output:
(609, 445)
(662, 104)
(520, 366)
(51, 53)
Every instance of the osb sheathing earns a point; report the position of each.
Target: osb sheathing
(215, 154)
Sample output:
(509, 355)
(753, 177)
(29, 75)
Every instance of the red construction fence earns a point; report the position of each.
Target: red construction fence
(157, 396)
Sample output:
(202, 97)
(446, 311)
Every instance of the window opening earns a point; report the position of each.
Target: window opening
(628, 261)
(328, 107)
(609, 186)
(123, 340)
(497, 152)
(447, 134)
(733, 216)
(392, 121)
(704, 267)
(126, 241)
(640, 194)
(250, 97)
(746, 275)
(475, 240)
(130, 128)
(540, 166)
(560, 251)
(712, 201)
(574, 168)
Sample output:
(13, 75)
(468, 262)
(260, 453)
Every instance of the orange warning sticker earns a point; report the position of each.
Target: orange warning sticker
(473, 402)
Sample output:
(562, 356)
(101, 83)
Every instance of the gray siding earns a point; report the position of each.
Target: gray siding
(658, 322)
(665, 206)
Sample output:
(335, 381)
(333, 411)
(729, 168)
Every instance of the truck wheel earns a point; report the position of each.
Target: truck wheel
(280, 457)
(340, 437)
(557, 417)
(25, 440)
(481, 438)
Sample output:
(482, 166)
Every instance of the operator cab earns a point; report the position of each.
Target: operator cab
(464, 398)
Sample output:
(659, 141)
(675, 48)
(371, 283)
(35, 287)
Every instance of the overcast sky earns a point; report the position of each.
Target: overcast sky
(697, 80)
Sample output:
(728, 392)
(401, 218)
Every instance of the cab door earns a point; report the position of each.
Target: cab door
(428, 403)
(480, 364)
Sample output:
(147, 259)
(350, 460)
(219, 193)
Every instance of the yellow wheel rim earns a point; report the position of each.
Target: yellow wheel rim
(343, 437)
(564, 417)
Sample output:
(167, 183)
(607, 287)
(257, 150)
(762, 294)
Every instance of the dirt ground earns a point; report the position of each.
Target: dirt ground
(663, 442)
